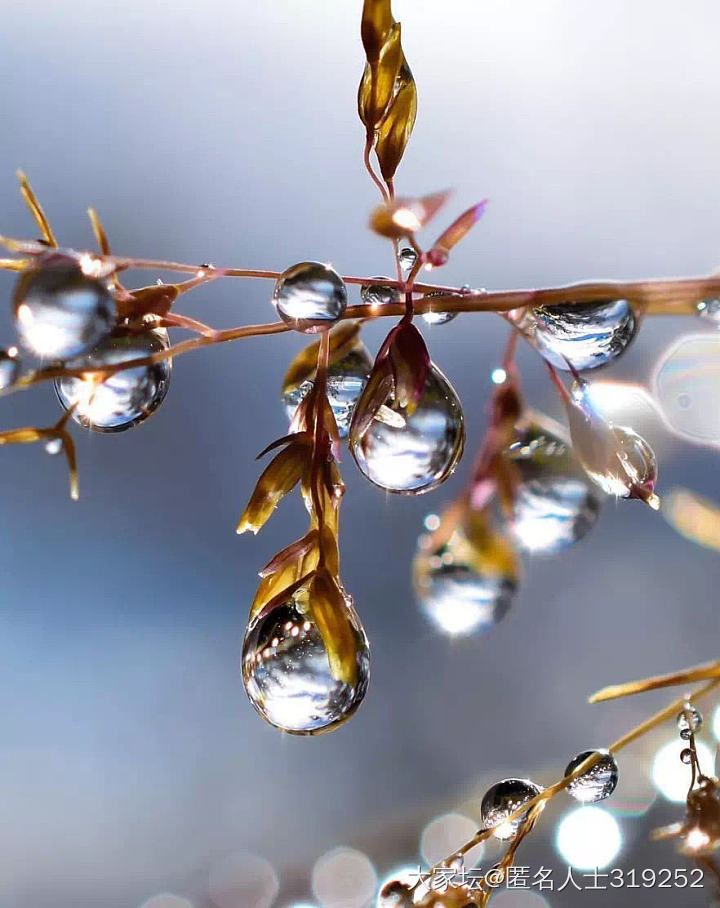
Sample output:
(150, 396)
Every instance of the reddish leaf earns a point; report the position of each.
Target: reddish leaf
(438, 255)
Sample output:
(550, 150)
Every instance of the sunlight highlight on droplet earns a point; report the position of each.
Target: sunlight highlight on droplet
(588, 837)
(344, 878)
(670, 776)
(243, 881)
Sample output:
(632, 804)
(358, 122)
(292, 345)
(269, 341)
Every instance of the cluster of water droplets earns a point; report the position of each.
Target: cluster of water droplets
(65, 314)
(287, 672)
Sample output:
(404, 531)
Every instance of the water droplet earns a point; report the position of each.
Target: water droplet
(687, 387)
(709, 309)
(638, 464)
(10, 366)
(125, 398)
(500, 801)
(616, 458)
(346, 379)
(418, 448)
(438, 318)
(407, 258)
(53, 446)
(59, 311)
(310, 297)
(587, 334)
(379, 294)
(596, 783)
(457, 592)
(689, 721)
(556, 504)
(287, 674)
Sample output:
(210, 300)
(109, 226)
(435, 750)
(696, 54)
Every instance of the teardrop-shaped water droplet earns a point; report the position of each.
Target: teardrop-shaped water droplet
(346, 379)
(60, 312)
(556, 504)
(502, 800)
(287, 673)
(587, 334)
(127, 397)
(407, 258)
(616, 458)
(415, 449)
(310, 297)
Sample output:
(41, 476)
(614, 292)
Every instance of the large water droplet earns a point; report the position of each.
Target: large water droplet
(596, 783)
(287, 674)
(587, 334)
(125, 398)
(503, 799)
(408, 450)
(555, 502)
(310, 297)
(458, 594)
(59, 311)
(346, 379)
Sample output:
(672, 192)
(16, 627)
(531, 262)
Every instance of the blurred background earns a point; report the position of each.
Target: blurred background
(131, 763)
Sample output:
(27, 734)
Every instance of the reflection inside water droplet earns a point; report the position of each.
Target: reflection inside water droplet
(460, 592)
(555, 502)
(310, 297)
(587, 334)
(346, 379)
(125, 398)
(413, 450)
(287, 673)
